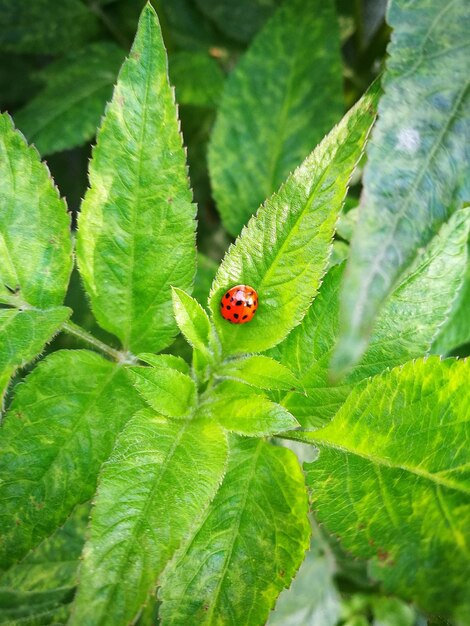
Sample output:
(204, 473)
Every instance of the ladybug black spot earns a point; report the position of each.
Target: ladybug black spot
(227, 295)
(239, 302)
(228, 307)
(244, 317)
(236, 316)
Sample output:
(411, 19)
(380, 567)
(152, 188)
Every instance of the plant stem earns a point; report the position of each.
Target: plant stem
(77, 331)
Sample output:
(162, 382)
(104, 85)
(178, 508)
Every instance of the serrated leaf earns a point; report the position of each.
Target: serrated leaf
(227, 573)
(198, 78)
(456, 331)
(240, 20)
(165, 360)
(165, 389)
(283, 252)
(42, 585)
(260, 371)
(35, 243)
(416, 174)
(245, 413)
(312, 599)
(392, 481)
(192, 320)
(279, 102)
(136, 233)
(45, 26)
(59, 429)
(159, 480)
(23, 334)
(66, 113)
(405, 328)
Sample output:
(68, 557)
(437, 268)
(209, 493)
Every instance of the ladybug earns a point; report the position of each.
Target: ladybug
(239, 304)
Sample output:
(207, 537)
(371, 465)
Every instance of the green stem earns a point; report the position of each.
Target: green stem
(77, 331)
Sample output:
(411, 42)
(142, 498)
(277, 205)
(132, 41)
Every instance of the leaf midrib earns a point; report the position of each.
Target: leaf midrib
(234, 534)
(309, 201)
(321, 440)
(140, 520)
(136, 204)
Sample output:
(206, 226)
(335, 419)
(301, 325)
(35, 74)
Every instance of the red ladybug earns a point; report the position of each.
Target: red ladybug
(239, 304)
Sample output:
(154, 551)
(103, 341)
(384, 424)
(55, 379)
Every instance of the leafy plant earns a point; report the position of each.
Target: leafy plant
(188, 460)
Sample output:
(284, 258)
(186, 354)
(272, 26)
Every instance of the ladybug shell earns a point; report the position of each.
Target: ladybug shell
(239, 304)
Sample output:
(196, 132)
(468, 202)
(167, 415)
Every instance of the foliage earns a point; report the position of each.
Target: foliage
(427, 91)
(165, 473)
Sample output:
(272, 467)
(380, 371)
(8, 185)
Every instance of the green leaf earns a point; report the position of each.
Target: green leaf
(67, 111)
(416, 173)
(189, 29)
(136, 233)
(260, 371)
(279, 102)
(45, 26)
(23, 335)
(405, 328)
(312, 599)
(60, 427)
(42, 585)
(456, 331)
(238, 409)
(392, 481)
(239, 20)
(35, 243)
(283, 252)
(192, 320)
(166, 389)
(159, 480)
(165, 360)
(249, 546)
(198, 78)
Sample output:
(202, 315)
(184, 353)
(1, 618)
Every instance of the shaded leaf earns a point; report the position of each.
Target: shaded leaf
(240, 20)
(160, 478)
(166, 389)
(206, 270)
(66, 113)
(405, 328)
(227, 573)
(35, 243)
(198, 78)
(283, 252)
(416, 173)
(59, 429)
(45, 26)
(136, 233)
(42, 585)
(279, 102)
(23, 335)
(392, 481)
